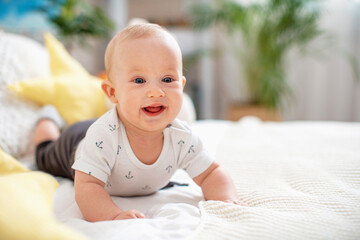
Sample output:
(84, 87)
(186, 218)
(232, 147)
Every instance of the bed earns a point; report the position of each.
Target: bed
(300, 180)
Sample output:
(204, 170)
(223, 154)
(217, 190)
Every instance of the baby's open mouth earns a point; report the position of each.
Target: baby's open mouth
(153, 110)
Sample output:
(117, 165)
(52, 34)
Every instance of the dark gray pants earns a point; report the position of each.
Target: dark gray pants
(57, 157)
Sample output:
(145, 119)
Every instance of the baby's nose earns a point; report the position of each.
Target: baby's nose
(155, 92)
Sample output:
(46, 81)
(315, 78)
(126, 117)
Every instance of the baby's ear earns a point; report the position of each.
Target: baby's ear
(109, 90)
(183, 81)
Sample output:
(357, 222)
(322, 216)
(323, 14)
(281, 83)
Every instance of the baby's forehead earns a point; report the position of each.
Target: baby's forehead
(123, 44)
(140, 32)
(126, 36)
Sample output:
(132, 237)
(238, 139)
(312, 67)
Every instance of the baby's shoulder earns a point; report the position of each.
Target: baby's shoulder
(107, 124)
(181, 126)
(180, 130)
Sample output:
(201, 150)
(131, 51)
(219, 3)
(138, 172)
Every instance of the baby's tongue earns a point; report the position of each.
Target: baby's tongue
(153, 109)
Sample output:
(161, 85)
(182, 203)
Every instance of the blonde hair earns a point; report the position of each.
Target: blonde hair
(131, 32)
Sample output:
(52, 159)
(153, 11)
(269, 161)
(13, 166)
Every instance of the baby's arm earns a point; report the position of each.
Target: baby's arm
(95, 203)
(216, 184)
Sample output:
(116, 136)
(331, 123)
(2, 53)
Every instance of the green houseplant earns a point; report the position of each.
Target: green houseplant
(76, 20)
(262, 32)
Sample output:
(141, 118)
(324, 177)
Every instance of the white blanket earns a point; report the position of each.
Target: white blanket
(170, 214)
(301, 180)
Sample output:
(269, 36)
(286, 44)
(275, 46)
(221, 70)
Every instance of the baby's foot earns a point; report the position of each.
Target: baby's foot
(50, 112)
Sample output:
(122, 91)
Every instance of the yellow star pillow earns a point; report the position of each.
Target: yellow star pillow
(61, 61)
(75, 93)
(8, 165)
(26, 199)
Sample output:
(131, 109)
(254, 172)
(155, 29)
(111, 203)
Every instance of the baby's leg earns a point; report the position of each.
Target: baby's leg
(45, 130)
(55, 155)
(48, 126)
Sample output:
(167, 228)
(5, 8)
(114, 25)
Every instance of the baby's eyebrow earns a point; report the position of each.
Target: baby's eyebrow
(172, 70)
(135, 70)
(141, 71)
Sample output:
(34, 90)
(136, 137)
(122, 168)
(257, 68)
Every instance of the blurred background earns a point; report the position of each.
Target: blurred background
(276, 59)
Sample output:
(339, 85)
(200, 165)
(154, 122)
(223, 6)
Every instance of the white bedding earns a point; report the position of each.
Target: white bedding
(170, 214)
(301, 180)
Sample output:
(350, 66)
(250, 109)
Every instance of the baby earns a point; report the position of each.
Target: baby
(137, 146)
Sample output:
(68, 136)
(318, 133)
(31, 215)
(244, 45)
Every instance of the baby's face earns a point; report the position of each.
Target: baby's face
(148, 82)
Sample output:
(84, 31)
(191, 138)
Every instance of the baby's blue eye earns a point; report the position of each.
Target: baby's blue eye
(139, 80)
(167, 80)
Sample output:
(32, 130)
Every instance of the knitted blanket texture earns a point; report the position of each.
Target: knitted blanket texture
(299, 180)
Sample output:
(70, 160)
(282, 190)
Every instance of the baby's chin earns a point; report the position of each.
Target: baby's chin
(153, 129)
(146, 126)
(156, 126)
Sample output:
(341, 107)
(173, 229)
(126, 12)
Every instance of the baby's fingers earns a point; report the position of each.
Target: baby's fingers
(135, 214)
(139, 215)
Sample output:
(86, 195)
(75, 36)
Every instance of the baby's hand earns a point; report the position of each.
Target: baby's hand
(130, 214)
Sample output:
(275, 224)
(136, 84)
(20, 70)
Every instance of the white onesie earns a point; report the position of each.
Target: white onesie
(105, 153)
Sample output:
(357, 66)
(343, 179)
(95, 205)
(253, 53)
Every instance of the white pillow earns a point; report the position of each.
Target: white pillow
(20, 58)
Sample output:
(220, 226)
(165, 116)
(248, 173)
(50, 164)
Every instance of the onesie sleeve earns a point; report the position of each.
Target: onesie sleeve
(194, 158)
(95, 154)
